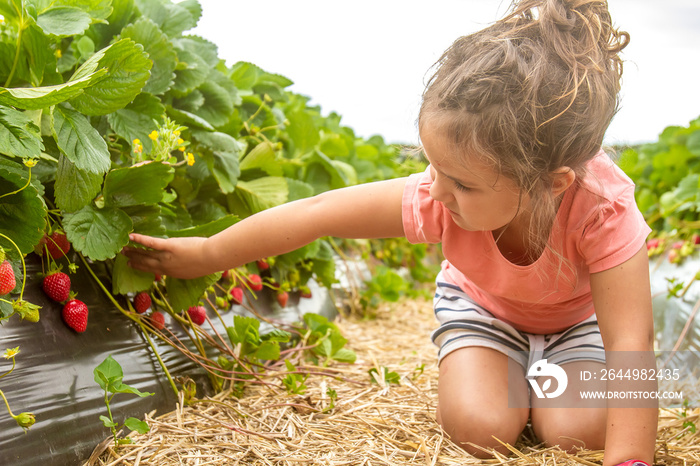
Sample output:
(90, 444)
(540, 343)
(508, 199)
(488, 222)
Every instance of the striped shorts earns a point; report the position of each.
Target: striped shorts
(463, 323)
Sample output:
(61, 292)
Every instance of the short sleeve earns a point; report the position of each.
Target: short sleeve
(614, 234)
(423, 217)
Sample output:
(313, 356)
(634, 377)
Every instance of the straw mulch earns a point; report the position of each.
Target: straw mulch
(370, 424)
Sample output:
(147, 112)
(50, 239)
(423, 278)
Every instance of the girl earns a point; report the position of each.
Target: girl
(544, 244)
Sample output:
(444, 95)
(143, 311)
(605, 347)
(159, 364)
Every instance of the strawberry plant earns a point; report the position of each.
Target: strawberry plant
(109, 376)
(114, 119)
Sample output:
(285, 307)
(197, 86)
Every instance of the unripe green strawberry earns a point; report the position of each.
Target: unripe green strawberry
(157, 320)
(56, 286)
(142, 302)
(198, 314)
(7, 278)
(221, 302)
(58, 244)
(25, 420)
(75, 315)
(26, 310)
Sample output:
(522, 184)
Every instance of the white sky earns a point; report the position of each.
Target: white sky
(368, 60)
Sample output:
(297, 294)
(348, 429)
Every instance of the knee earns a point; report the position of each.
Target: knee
(570, 433)
(476, 431)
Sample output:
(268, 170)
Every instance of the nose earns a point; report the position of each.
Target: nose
(438, 189)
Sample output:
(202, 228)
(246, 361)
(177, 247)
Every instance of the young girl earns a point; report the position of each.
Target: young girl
(544, 244)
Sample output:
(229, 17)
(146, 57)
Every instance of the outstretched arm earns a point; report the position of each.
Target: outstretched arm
(622, 300)
(371, 210)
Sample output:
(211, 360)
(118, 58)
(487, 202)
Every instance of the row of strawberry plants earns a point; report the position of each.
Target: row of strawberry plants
(667, 178)
(114, 120)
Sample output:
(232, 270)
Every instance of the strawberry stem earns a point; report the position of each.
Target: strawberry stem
(160, 361)
(24, 267)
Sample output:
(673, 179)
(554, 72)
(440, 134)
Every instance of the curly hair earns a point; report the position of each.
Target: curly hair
(531, 93)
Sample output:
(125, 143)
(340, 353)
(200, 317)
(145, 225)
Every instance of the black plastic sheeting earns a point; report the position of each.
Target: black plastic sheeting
(53, 377)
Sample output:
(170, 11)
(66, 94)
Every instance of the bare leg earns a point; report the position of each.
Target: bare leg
(568, 420)
(473, 400)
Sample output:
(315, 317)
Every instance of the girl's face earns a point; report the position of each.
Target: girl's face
(475, 195)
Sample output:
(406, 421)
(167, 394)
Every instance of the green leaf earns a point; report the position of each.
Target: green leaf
(19, 136)
(263, 193)
(189, 119)
(128, 70)
(63, 21)
(199, 57)
(98, 233)
(136, 424)
(268, 350)
(146, 219)
(138, 118)
(23, 214)
(127, 280)
(173, 19)
(79, 141)
(276, 335)
(32, 98)
(302, 130)
(160, 51)
(262, 157)
(75, 188)
(108, 373)
(298, 189)
(120, 387)
(345, 355)
(221, 156)
(218, 103)
(205, 230)
(136, 185)
(107, 423)
(186, 293)
(246, 332)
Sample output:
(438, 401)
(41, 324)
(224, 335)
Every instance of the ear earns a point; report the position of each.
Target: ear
(562, 178)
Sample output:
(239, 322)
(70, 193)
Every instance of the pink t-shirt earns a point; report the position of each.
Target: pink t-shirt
(598, 226)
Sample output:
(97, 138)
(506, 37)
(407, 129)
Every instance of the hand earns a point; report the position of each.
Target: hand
(175, 257)
(633, 463)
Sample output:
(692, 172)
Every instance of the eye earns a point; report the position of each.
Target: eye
(461, 187)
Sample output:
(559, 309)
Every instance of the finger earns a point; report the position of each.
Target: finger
(149, 241)
(145, 263)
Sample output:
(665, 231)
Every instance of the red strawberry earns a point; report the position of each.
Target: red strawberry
(142, 302)
(157, 320)
(7, 278)
(653, 243)
(255, 282)
(75, 315)
(158, 277)
(695, 239)
(282, 298)
(198, 314)
(305, 293)
(56, 286)
(226, 274)
(262, 264)
(58, 244)
(236, 295)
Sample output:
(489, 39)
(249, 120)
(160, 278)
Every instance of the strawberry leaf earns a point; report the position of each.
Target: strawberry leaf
(79, 141)
(63, 21)
(183, 294)
(268, 350)
(19, 135)
(137, 119)
(75, 188)
(160, 52)
(98, 233)
(137, 185)
(263, 193)
(108, 373)
(23, 214)
(221, 156)
(127, 280)
(127, 71)
(135, 424)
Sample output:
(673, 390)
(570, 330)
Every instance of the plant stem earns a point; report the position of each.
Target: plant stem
(6, 404)
(29, 180)
(19, 46)
(160, 361)
(24, 267)
(11, 369)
